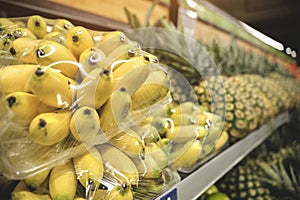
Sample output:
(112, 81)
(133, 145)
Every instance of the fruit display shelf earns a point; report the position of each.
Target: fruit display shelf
(194, 184)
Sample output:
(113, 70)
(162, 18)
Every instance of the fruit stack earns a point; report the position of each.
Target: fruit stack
(93, 116)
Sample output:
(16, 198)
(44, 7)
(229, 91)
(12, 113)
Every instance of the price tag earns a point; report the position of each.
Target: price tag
(172, 195)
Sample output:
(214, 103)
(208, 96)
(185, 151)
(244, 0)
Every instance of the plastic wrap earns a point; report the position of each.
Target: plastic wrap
(93, 114)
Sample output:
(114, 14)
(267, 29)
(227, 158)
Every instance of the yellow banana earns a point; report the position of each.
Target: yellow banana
(111, 40)
(51, 53)
(95, 88)
(90, 59)
(63, 182)
(162, 124)
(120, 55)
(183, 134)
(51, 35)
(187, 107)
(183, 119)
(200, 118)
(26, 195)
(186, 156)
(62, 25)
(52, 87)
(6, 42)
(26, 106)
(89, 168)
(50, 128)
(164, 143)
(129, 142)
(155, 88)
(35, 181)
(85, 124)
(222, 141)
(133, 79)
(115, 112)
(22, 32)
(121, 191)
(15, 78)
(37, 25)
(5, 23)
(157, 153)
(23, 50)
(78, 40)
(117, 165)
(148, 133)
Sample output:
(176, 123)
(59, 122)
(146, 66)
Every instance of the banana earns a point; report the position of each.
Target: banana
(111, 40)
(26, 195)
(52, 87)
(121, 54)
(62, 25)
(6, 42)
(15, 78)
(78, 39)
(85, 124)
(95, 89)
(129, 142)
(133, 79)
(35, 181)
(186, 156)
(122, 191)
(155, 88)
(222, 141)
(50, 128)
(89, 168)
(183, 119)
(57, 56)
(26, 106)
(63, 182)
(162, 124)
(51, 35)
(187, 107)
(183, 134)
(90, 59)
(5, 23)
(147, 133)
(23, 50)
(37, 25)
(158, 154)
(200, 118)
(118, 165)
(115, 112)
(22, 32)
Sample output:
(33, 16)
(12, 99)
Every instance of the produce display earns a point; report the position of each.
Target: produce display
(93, 115)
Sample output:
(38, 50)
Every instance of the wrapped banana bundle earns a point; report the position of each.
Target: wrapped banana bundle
(92, 115)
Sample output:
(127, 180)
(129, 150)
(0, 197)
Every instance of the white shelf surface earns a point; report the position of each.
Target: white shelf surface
(194, 184)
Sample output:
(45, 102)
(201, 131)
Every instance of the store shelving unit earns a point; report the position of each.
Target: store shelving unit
(194, 184)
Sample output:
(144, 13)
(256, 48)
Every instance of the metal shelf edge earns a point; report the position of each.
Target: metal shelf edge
(198, 181)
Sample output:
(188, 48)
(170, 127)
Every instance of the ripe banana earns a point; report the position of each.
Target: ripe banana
(147, 167)
(187, 107)
(35, 181)
(78, 39)
(158, 154)
(186, 156)
(23, 50)
(118, 165)
(26, 195)
(115, 112)
(50, 53)
(95, 89)
(22, 32)
(162, 124)
(133, 79)
(85, 124)
(52, 87)
(15, 78)
(62, 25)
(90, 59)
(183, 119)
(89, 168)
(51, 35)
(120, 192)
(37, 25)
(147, 133)
(129, 142)
(5, 23)
(63, 182)
(50, 128)
(6, 42)
(155, 88)
(183, 134)
(111, 40)
(222, 141)
(26, 106)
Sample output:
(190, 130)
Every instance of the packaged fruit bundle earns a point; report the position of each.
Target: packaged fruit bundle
(80, 99)
(93, 115)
